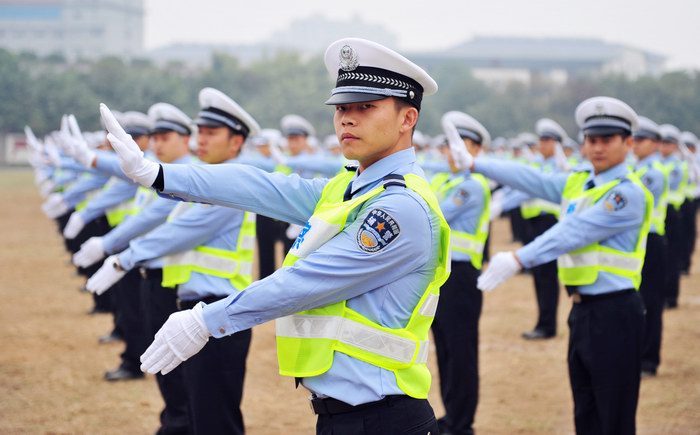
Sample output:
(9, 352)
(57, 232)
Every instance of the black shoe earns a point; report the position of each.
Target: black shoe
(122, 374)
(648, 373)
(97, 311)
(110, 338)
(536, 334)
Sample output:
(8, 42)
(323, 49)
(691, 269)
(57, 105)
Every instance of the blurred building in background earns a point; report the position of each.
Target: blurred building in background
(74, 29)
(499, 60)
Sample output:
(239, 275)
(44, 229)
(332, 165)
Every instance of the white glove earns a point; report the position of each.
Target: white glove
(131, 159)
(74, 226)
(53, 157)
(293, 231)
(181, 336)
(501, 267)
(81, 151)
(46, 188)
(108, 275)
(54, 206)
(461, 157)
(90, 252)
(32, 141)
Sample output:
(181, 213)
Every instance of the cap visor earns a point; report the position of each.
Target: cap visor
(347, 98)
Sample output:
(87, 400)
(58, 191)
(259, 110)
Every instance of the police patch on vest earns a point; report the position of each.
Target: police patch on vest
(377, 231)
(615, 201)
(460, 197)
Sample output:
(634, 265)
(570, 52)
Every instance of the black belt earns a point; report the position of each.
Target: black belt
(578, 298)
(188, 305)
(156, 274)
(329, 406)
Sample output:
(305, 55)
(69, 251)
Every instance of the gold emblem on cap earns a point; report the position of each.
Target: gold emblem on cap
(348, 58)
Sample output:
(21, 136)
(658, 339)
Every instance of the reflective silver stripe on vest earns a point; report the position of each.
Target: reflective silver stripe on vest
(457, 242)
(248, 242)
(354, 334)
(208, 261)
(429, 306)
(588, 259)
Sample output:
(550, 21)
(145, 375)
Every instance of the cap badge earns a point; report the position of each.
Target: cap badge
(348, 58)
(599, 109)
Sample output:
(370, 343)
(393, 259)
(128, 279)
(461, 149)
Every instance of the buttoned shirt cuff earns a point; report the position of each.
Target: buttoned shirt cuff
(217, 320)
(126, 260)
(527, 255)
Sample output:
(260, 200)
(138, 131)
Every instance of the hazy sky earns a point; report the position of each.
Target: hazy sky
(668, 27)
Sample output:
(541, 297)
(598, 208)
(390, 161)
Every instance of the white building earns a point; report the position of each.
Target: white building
(73, 28)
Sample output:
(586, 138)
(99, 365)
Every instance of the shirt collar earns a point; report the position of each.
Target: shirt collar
(385, 166)
(648, 160)
(613, 173)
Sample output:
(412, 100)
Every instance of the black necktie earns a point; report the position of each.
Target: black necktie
(590, 184)
(348, 192)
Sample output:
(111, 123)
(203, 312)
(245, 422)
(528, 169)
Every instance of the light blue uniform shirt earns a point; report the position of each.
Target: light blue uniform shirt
(323, 165)
(616, 226)
(150, 217)
(86, 183)
(653, 179)
(385, 286)
(116, 193)
(676, 175)
(462, 207)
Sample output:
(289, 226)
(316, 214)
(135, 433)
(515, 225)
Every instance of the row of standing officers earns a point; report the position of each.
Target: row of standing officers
(355, 300)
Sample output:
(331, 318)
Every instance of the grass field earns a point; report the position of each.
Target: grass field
(51, 366)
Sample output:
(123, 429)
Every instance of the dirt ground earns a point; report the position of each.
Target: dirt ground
(51, 366)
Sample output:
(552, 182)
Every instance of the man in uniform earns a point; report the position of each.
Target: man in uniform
(207, 252)
(368, 263)
(600, 244)
(650, 170)
(465, 201)
(540, 215)
(170, 144)
(677, 173)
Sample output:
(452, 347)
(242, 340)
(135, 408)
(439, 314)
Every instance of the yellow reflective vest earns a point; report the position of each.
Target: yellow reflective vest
(581, 266)
(307, 341)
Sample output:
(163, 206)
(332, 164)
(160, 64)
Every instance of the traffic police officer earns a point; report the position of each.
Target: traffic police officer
(369, 262)
(600, 242)
(650, 170)
(677, 173)
(207, 251)
(540, 215)
(169, 145)
(465, 202)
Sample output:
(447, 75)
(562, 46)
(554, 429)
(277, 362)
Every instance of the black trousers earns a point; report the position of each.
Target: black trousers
(604, 357)
(268, 231)
(674, 236)
(545, 277)
(517, 225)
(456, 333)
(652, 292)
(130, 320)
(689, 225)
(214, 380)
(158, 304)
(404, 415)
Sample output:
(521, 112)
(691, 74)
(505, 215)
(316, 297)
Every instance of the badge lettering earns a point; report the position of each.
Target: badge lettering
(377, 231)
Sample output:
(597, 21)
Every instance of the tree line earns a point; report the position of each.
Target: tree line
(37, 92)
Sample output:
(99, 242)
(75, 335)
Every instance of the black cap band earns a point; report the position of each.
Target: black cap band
(137, 130)
(548, 134)
(465, 133)
(378, 82)
(165, 125)
(646, 134)
(213, 117)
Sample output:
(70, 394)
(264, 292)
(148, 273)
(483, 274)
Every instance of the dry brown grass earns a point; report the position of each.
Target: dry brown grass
(51, 366)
